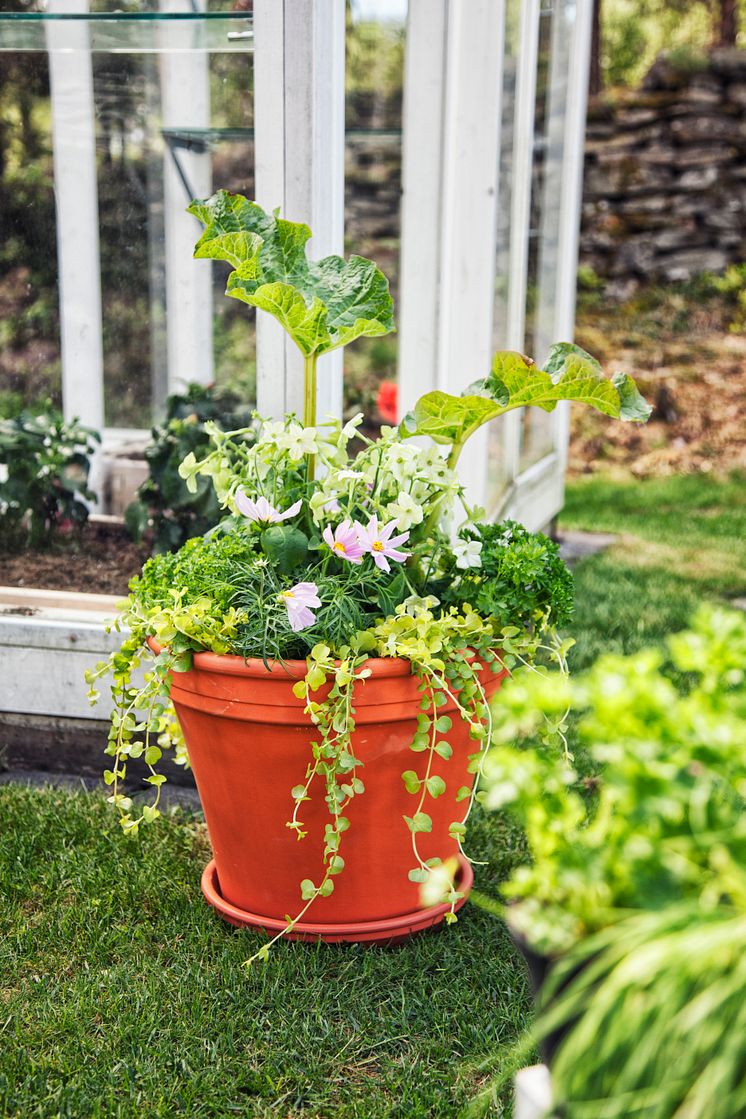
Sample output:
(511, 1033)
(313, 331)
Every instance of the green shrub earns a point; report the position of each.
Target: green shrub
(45, 463)
(165, 512)
(666, 736)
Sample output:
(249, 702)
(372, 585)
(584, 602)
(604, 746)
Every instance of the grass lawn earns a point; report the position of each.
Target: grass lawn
(122, 995)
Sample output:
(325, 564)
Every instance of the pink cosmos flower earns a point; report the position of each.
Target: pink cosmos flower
(381, 544)
(261, 510)
(298, 600)
(345, 543)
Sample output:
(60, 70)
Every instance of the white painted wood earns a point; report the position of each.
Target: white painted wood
(533, 1092)
(43, 657)
(522, 165)
(422, 162)
(185, 103)
(448, 255)
(34, 598)
(560, 225)
(299, 153)
(469, 222)
(522, 173)
(572, 195)
(76, 199)
(536, 495)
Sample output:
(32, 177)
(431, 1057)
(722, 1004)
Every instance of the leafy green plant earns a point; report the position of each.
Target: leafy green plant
(522, 578)
(669, 759)
(336, 557)
(165, 512)
(45, 463)
(638, 892)
(655, 1012)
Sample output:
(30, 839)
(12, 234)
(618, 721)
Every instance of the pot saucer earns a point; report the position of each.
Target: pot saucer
(390, 930)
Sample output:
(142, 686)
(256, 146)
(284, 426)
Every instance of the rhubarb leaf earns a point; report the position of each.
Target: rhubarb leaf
(446, 418)
(321, 304)
(516, 381)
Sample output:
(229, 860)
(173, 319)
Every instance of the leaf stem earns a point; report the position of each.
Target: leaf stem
(453, 457)
(309, 402)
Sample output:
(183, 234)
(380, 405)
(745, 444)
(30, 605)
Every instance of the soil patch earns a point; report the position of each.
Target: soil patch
(690, 362)
(101, 561)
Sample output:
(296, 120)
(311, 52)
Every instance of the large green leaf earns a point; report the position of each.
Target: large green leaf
(448, 419)
(321, 304)
(516, 381)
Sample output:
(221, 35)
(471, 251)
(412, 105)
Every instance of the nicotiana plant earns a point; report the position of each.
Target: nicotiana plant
(335, 548)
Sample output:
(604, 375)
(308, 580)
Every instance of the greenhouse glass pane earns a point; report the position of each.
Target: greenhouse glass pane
(162, 107)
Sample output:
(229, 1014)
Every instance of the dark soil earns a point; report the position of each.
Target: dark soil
(101, 561)
(686, 347)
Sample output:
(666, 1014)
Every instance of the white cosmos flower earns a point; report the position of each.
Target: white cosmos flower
(468, 553)
(406, 511)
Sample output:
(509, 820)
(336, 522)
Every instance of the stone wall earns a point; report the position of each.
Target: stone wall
(665, 175)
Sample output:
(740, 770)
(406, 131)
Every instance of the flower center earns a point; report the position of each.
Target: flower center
(340, 547)
(287, 594)
(377, 546)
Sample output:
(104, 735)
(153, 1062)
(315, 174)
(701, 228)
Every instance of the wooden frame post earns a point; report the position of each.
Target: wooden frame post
(185, 102)
(299, 145)
(76, 199)
(450, 180)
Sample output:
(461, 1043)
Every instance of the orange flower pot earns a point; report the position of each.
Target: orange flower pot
(249, 744)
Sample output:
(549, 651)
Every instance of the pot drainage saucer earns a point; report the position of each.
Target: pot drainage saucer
(390, 930)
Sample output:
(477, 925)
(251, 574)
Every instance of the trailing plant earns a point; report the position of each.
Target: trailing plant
(165, 513)
(44, 468)
(334, 555)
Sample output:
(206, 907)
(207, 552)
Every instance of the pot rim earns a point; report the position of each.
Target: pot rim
(228, 664)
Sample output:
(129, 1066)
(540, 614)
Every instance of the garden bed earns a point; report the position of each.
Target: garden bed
(101, 560)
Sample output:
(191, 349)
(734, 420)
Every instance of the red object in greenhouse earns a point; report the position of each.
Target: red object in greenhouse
(249, 743)
(387, 401)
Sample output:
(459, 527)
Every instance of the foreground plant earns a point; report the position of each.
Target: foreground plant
(636, 889)
(336, 549)
(669, 773)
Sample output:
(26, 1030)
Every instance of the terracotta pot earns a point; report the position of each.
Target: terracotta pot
(249, 744)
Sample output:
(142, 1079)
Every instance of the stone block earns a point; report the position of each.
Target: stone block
(708, 126)
(635, 256)
(678, 236)
(737, 93)
(730, 62)
(698, 178)
(703, 155)
(691, 262)
(730, 217)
